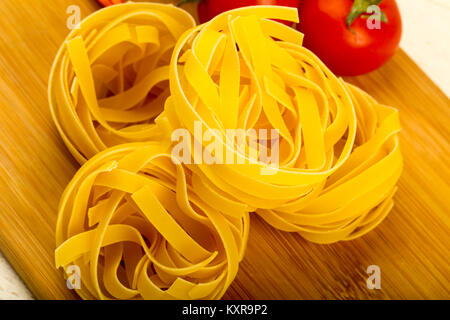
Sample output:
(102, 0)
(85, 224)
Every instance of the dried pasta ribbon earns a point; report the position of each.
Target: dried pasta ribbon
(110, 77)
(138, 227)
(339, 159)
(358, 196)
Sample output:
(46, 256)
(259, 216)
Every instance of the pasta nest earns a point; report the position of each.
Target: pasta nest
(110, 78)
(136, 225)
(142, 220)
(339, 158)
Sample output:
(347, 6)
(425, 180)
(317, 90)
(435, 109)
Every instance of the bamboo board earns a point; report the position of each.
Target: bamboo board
(411, 246)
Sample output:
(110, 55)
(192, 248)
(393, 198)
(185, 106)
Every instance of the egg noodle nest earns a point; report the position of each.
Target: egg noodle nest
(140, 225)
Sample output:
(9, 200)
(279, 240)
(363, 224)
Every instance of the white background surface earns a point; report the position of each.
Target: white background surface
(426, 38)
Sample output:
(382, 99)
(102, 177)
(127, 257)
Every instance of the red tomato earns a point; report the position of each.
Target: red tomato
(107, 3)
(349, 52)
(208, 9)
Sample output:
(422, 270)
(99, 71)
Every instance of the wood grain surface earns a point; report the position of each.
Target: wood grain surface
(411, 246)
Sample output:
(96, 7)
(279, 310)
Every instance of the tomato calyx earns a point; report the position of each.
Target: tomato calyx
(360, 7)
(182, 2)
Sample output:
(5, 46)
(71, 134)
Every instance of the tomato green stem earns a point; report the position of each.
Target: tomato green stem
(182, 2)
(360, 7)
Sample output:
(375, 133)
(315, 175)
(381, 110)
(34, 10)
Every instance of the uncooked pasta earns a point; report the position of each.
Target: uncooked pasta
(137, 226)
(110, 78)
(142, 223)
(339, 158)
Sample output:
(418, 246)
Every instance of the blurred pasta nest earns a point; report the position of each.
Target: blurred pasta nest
(142, 224)
(110, 78)
(137, 226)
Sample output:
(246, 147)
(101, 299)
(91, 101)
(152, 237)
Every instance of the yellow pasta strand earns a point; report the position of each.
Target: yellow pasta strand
(339, 156)
(132, 204)
(110, 78)
(141, 225)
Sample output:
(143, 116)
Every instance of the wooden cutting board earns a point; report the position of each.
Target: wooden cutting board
(411, 246)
